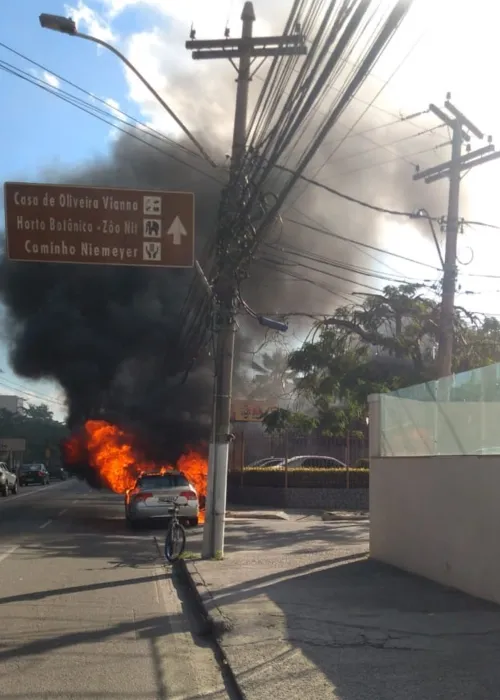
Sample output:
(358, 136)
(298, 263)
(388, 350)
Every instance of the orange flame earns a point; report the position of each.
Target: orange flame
(109, 450)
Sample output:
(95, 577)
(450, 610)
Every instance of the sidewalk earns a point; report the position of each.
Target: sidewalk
(300, 611)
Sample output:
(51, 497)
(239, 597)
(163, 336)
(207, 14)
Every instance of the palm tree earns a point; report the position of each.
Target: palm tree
(273, 378)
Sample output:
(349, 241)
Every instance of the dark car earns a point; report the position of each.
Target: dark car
(34, 474)
(58, 473)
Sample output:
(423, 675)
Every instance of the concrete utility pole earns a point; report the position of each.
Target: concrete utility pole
(245, 49)
(460, 127)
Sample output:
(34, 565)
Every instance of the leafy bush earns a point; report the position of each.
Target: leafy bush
(300, 477)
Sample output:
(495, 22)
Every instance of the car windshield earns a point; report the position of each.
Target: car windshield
(161, 481)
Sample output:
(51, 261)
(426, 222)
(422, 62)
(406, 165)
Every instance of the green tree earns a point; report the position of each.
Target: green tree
(37, 426)
(387, 342)
(281, 420)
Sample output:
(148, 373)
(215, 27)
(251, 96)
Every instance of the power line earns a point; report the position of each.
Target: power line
(363, 113)
(91, 109)
(393, 160)
(365, 252)
(93, 98)
(327, 232)
(31, 394)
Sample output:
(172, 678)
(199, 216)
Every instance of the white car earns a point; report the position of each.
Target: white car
(8, 480)
(267, 462)
(153, 496)
(313, 461)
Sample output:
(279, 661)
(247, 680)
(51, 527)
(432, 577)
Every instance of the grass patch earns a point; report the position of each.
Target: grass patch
(189, 556)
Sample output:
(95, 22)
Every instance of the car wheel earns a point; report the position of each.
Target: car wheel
(5, 490)
(14, 488)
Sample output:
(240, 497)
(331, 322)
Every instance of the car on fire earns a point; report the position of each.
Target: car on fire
(153, 495)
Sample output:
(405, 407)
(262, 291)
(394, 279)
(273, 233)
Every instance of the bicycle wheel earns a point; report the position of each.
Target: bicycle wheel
(175, 541)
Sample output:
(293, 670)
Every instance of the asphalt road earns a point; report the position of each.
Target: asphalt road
(89, 610)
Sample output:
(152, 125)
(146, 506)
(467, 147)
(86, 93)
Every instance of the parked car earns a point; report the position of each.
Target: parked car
(313, 461)
(8, 480)
(58, 473)
(153, 496)
(34, 474)
(266, 462)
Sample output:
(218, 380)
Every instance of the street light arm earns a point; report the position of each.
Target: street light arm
(66, 25)
(151, 90)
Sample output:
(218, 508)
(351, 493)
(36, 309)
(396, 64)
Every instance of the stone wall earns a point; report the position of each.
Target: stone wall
(327, 499)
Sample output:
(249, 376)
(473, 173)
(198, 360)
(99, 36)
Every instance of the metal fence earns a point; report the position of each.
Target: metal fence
(248, 448)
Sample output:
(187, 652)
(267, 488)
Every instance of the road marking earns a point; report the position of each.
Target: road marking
(9, 552)
(31, 492)
(45, 524)
(64, 510)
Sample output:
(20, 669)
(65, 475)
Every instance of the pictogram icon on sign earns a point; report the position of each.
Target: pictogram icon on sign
(151, 250)
(152, 228)
(152, 205)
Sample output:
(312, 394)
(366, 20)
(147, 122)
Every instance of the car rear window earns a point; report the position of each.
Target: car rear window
(162, 481)
(31, 468)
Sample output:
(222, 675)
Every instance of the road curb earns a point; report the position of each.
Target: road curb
(256, 515)
(215, 623)
(329, 516)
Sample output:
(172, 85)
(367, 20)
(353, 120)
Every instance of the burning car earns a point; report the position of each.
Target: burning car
(153, 496)
(106, 457)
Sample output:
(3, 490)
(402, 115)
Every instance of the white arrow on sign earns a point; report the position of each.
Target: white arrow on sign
(177, 231)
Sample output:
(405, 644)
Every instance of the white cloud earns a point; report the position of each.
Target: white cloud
(91, 22)
(51, 79)
(159, 55)
(112, 103)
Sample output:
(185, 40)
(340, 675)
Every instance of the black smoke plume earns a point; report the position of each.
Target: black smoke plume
(108, 335)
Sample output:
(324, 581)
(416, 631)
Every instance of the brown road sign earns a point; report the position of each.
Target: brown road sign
(99, 225)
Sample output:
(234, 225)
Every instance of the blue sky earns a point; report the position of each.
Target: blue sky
(43, 129)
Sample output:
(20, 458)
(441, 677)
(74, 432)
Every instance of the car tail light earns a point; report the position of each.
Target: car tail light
(40, 473)
(143, 496)
(189, 495)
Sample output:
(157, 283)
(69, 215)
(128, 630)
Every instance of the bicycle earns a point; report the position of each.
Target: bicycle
(175, 539)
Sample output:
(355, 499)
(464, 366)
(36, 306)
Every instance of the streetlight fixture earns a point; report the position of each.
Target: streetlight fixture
(66, 25)
(57, 23)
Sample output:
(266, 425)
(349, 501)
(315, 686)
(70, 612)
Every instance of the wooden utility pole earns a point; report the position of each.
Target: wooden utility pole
(461, 128)
(245, 49)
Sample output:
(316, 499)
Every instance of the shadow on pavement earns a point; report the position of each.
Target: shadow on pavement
(370, 630)
(69, 590)
(149, 628)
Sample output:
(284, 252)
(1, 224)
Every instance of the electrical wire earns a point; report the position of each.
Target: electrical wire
(307, 280)
(326, 232)
(235, 252)
(31, 394)
(96, 112)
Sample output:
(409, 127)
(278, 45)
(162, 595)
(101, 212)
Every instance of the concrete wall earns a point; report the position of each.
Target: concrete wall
(327, 499)
(439, 517)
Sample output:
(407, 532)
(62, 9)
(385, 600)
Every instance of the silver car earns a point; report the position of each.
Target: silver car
(8, 480)
(154, 494)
